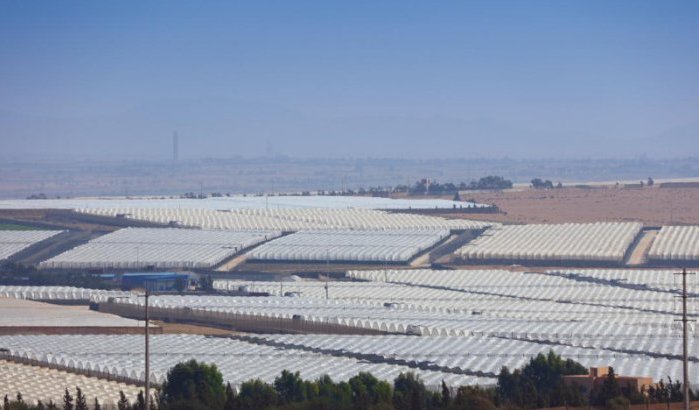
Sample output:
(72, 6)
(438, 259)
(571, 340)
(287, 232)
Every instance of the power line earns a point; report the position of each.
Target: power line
(685, 321)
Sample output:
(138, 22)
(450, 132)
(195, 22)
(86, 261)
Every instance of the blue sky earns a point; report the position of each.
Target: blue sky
(349, 79)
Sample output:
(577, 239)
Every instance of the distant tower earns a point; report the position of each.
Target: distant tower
(269, 150)
(175, 147)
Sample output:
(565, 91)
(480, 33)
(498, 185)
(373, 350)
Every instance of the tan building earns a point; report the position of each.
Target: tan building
(597, 375)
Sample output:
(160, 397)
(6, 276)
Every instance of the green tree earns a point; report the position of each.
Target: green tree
(609, 389)
(540, 383)
(80, 401)
(491, 182)
(333, 396)
(231, 398)
(617, 403)
(67, 401)
(540, 184)
(472, 398)
(368, 391)
(123, 403)
(194, 383)
(96, 405)
(289, 387)
(446, 395)
(255, 394)
(409, 392)
(140, 402)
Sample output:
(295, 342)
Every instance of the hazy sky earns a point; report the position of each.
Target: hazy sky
(349, 78)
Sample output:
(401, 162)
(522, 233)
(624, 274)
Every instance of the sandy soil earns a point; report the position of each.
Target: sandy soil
(639, 256)
(183, 328)
(653, 206)
(232, 264)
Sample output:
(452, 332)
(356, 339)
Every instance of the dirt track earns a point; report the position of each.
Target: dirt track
(640, 252)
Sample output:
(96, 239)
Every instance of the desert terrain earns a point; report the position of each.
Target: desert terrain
(654, 206)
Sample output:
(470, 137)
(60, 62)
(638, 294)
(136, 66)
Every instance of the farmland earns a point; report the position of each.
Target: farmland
(654, 206)
(304, 284)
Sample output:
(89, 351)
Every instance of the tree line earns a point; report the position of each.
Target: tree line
(421, 187)
(77, 402)
(427, 187)
(538, 384)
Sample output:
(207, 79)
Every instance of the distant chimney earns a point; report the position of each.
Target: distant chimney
(175, 147)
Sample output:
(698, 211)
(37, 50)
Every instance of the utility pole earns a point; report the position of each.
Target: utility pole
(147, 344)
(684, 320)
(147, 398)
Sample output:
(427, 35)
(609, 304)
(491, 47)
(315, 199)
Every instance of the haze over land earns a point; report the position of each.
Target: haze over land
(86, 80)
(21, 179)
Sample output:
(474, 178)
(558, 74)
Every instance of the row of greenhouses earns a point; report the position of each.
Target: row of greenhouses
(601, 242)
(288, 219)
(14, 241)
(676, 243)
(121, 356)
(576, 287)
(395, 246)
(420, 317)
(168, 248)
(40, 383)
(488, 300)
(59, 293)
(243, 202)
(455, 360)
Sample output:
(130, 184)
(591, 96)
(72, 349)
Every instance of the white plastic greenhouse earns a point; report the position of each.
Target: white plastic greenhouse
(288, 219)
(240, 202)
(676, 243)
(602, 241)
(460, 359)
(12, 242)
(237, 360)
(134, 248)
(44, 384)
(48, 293)
(355, 246)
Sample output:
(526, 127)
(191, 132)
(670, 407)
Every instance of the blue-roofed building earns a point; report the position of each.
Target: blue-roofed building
(155, 281)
